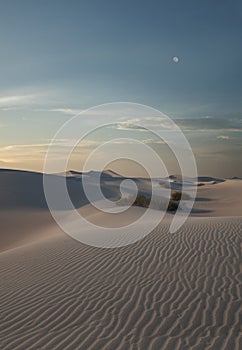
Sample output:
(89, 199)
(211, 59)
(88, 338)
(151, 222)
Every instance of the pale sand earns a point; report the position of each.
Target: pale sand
(167, 291)
(222, 199)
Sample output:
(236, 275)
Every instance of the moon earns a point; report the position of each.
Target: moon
(175, 59)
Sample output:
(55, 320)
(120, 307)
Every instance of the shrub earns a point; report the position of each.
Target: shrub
(173, 205)
(142, 201)
(176, 196)
(145, 201)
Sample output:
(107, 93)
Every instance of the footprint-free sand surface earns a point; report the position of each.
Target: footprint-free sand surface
(166, 291)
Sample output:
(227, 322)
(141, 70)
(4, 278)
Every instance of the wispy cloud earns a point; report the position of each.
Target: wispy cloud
(223, 137)
(130, 125)
(75, 111)
(24, 153)
(16, 147)
(210, 124)
(68, 111)
(147, 124)
(91, 144)
(206, 123)
(203, 123)
(13, 101)
(11, 153)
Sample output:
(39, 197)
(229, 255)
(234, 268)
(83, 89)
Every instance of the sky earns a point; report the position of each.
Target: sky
(61, 57)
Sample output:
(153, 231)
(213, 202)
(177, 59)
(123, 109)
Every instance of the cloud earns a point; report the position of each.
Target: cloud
(223, 137)
(147, 124)
(11, 153)
(125, 126)
(155, 142)
(92, 111)
(16, 147)
(13, 101)
(68, 111)
(5, 161)
(204, 123)
(210, 124)
(92, 144)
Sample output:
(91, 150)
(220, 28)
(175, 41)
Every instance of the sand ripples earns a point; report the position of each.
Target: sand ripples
(179, 291)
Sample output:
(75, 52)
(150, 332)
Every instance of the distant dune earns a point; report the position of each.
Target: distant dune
(167, 291)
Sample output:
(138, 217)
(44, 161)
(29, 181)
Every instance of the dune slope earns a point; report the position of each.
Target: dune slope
(167, 291)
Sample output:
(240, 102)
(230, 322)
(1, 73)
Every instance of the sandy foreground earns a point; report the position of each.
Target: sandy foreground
(167, 291)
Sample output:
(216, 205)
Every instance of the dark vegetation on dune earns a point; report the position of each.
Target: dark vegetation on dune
(145, 201)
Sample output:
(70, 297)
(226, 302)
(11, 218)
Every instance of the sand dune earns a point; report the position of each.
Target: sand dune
(24, 190)
(221, 199)
(167, 291)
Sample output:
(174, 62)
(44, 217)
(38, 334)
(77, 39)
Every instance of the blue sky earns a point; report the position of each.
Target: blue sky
(61, 56)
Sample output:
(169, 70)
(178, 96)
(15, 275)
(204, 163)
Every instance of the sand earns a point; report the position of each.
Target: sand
(167, 291)
(221, 199)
